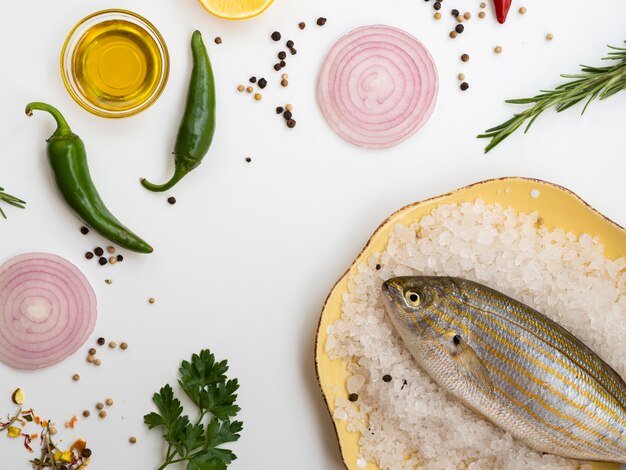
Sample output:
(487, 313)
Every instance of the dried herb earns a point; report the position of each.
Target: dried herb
(53, 458)
(12, 200)
(199, 443)
(592, 83)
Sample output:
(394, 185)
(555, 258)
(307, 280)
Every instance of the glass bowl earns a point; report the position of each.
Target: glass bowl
(114, 63)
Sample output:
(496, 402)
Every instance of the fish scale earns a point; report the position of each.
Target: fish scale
(513, 365)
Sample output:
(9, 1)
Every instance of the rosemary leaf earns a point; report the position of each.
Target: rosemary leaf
(592, 83)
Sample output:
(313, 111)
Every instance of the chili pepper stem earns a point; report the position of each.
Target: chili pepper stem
(179, 173)
(63, 128)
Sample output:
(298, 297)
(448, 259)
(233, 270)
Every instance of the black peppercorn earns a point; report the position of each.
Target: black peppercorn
(218, 40)
(437, 5)
(89, 255)
(283, 64)
(248, 159)
(98, 251)
(277, 67)
(465, 57)
(291, 123)
(378, 266)
(276, 36)
(287, 115)
(282, 55)
(252, 79)
(455, 12)
(302, 25)
(120, 258)
(353, 397)
(321, 21)
(387, 378)
(171, 200)
(464, 86)
(86, 453)
(101, 341)
(84, 230)
(293, 51)
(279, 110)
(102, 261)
(459, 28)
(289, 44)
(262, 83)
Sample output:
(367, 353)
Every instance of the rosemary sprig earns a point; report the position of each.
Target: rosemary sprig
(12, 200)
(592, 83)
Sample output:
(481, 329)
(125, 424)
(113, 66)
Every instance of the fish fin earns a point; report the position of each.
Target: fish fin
(469, 364)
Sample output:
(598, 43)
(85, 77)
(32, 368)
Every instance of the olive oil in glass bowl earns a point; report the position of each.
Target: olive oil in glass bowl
(114, 63)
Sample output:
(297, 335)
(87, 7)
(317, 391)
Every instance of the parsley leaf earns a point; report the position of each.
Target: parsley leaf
(205, 382)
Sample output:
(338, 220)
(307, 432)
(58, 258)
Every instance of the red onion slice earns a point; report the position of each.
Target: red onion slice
(378, 86)
(47, 310)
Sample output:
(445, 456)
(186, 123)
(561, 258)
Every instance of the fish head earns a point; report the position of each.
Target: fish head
(410, 299)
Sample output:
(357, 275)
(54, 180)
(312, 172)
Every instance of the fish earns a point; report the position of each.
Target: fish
(512, 365)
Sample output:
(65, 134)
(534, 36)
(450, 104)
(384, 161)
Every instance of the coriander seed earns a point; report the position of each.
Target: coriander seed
(461, 76)
(550, 36)
(453, 34)
(483, 5)
(289, 107)
(522, 10)
(151, 300)
(285, 76)
(124, 346)
(97, 361)
(92, 351)
(90, 359)
(132, 440)
(241, 88)
(75, 377)
(111, 249)
(467, 15)
(86, 413)
(113, 260)
(249, 89)
(465, 57)
(53, 430)
(284, 83)
(482, 15)
(99, 406)
(109, 402)
(112, 345)
(437, 16)
(102, 414)
(497, 49)
(258, 96)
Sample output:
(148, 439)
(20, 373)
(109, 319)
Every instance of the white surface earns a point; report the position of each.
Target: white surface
(244, 260)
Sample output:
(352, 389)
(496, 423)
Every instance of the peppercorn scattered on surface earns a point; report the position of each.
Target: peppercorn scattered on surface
(236, 9)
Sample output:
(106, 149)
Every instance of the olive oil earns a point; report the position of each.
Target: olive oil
(117, 65)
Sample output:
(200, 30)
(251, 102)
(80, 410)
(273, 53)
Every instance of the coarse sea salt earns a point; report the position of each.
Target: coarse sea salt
(410, 422)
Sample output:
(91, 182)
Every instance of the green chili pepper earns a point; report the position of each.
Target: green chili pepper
(198, 124)
(68, 160)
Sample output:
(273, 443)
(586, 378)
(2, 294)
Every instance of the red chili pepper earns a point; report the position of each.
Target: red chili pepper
(502, 9)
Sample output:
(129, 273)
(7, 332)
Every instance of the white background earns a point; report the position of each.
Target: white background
(244, 260)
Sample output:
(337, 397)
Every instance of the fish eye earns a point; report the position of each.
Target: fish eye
(414, 297)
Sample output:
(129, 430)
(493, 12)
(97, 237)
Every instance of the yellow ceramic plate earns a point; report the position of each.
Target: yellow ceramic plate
(559, 208)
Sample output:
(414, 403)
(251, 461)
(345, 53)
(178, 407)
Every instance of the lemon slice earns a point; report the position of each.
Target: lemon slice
(236, 9)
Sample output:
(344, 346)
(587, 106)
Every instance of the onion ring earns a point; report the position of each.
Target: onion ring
(47, 310)
(378, 86)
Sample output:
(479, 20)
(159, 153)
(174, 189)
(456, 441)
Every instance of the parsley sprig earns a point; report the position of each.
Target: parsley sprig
(205, 383)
